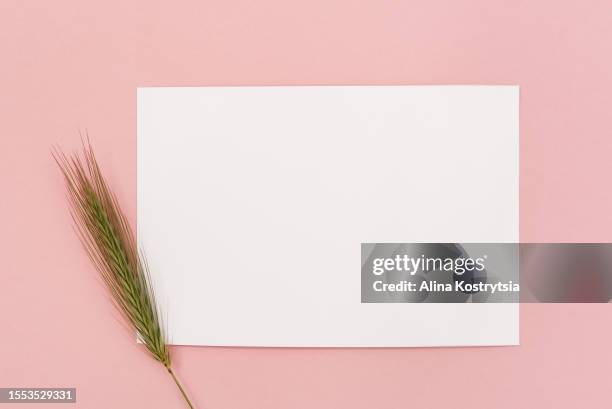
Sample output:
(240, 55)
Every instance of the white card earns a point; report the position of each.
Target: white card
(253, 203)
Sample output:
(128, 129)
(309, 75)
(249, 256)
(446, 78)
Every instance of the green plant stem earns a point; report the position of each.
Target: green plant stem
(178, 384)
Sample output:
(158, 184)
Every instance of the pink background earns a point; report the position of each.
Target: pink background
(71, 65)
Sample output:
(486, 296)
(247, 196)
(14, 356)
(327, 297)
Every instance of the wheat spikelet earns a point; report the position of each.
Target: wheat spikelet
(109, 242)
